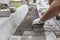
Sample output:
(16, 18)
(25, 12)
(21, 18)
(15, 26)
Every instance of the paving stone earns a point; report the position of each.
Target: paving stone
(51, 22)
(4, 13)
(56, 21)
(50, 36)
(13, 37)
(57, 34)
(32, 33)
(38, 28)
(33, 38)
(52, 28)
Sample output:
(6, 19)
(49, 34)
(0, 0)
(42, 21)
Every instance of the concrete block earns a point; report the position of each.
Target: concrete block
(33, 38)
(32, 33)
(13, 37)
(4, 13)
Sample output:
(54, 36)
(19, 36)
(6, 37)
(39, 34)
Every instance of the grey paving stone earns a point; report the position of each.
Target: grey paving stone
(51, 28)
(52, 22)
(33, 38)
(57, 34)
(13, 37)
(38, 28)
(56, 21)
(32, 33)
(4, 13)
(50, 36)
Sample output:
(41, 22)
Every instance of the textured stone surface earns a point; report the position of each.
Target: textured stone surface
(33, 38)
(32, 33)
(4, 13)
(15, 37)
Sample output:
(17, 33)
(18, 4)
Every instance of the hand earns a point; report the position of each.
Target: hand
(58, 38)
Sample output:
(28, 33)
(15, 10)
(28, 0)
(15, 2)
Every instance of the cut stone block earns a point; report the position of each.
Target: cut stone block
(4, 13)
(52, 22)
(52, 28)
(57, 21)
(50, 36)
(15, 37)
(57, 34)
(32, 33)
(33, 38)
